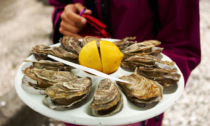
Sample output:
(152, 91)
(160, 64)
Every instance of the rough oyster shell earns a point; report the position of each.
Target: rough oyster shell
(50, 65)
(41, 51)
(71, 44)
(107, 99)
(66, 94)
(46, 78)
(147, 61)
(140, 90)
(125, 42)
(145, 48)
(166, 77)
(87, 39)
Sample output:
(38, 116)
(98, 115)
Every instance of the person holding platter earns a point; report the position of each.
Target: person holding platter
(175, 23)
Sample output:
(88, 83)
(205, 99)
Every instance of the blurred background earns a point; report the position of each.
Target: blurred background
(26, 23)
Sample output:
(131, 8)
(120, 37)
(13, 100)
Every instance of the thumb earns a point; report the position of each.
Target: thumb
(80, 7)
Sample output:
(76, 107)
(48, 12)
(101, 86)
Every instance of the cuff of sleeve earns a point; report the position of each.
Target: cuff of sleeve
(56, 24)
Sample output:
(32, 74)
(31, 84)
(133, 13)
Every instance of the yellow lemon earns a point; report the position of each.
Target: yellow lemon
(105, 58)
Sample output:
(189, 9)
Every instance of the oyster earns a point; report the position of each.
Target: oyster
(66, 94)
(41, 52)
(145, 48)
(45, 78)
(50, 65)
(147, 61)
(87, 39)
(140, 90)
(125, 42)
(107, 99)
(71, 44)
(166, 77)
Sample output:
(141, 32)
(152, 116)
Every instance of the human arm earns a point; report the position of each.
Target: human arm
(66, 20)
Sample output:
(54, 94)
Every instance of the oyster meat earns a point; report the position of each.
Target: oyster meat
(140, 90)
(66, 94)
(107, 99)
(41, 51)
(45, 78)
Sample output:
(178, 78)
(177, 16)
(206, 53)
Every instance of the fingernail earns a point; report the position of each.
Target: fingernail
(87, 11)
(83, 20)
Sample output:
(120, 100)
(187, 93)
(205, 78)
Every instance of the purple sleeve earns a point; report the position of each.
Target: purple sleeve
(58, 9)
(180, 33)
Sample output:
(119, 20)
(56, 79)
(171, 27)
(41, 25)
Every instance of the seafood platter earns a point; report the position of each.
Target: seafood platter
(62, 92)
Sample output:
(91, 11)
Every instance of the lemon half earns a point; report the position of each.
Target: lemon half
(106, 58)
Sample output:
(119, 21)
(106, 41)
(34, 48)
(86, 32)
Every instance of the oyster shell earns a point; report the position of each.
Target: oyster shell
(87, 39)
(145, 48)
(140, 90)
(41, 52)
(166, 77)
(71, 44)
(147, 61)
(50, 65)
(107, 99)
(45, 78)
(125, 42)
(66, 94)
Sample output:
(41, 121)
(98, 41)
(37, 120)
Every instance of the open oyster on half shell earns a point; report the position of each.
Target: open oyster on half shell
(140, 90)
(66, 94)
(107, 99)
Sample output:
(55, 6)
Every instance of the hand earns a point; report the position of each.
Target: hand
(71, 23)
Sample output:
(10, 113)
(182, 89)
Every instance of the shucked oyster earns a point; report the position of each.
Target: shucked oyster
(71, 44)
(65, 94)
(45, 78)
(107, 99)
(50, 65)
(140, 90)
(41, 52)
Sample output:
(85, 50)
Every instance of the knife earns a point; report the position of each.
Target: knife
(90, 70)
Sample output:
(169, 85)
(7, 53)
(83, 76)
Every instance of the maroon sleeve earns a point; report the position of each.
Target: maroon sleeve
(58, 9)
(180, 33)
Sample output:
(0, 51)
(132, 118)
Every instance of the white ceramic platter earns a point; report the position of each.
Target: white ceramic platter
(82, 115)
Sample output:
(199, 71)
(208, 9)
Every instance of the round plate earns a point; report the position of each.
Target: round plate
(82, 115)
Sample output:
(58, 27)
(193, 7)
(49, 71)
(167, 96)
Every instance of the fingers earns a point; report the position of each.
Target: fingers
(71, 23)
(70, 12)
(70, 27)
(67, 33)
(80, 7)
